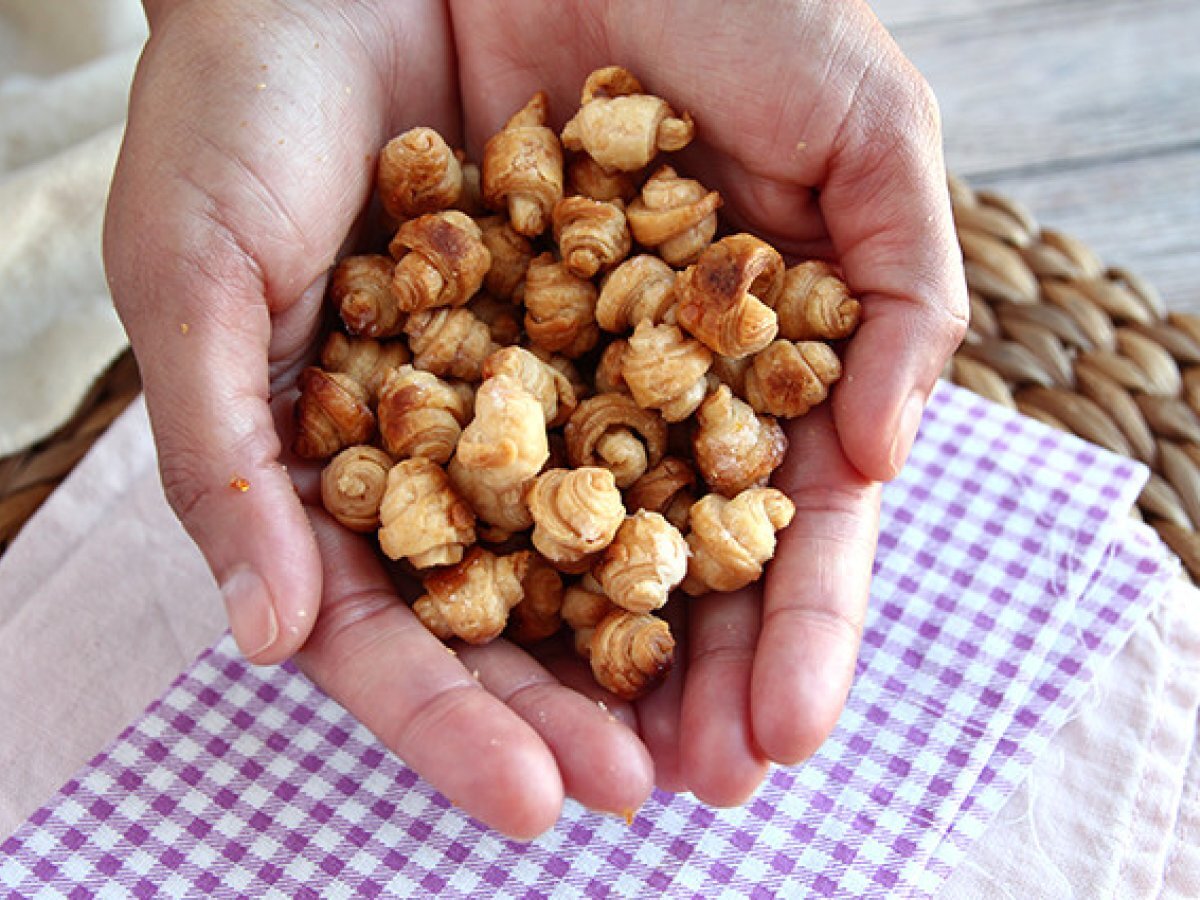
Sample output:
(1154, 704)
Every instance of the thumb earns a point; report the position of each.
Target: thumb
(887, 208)
(194, 306)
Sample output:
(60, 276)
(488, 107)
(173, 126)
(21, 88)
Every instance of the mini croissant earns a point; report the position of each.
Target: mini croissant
(583, 606)
(442, 261)
(331, 413)
(451, 342)
(644, 562)
(642, 287)
(352, 486)
(667, 488)
(550, 386)
(788, 379)
(732, 539)
(500, 452)
(510, 252)
(418, 173)
(734, 447)
(631, 653)
(471, 599)
(523, 168)
(816, 304)
(588, 178)
(361, 290)
(725, 299)
(560, 308)
(422, 518)
(591, 234)
(612, 431)
(539, 614)
(365, 360)
(678, 216)
(421, 415)
(608, 377)
(622, 128)
(576, 513)
(665, 369)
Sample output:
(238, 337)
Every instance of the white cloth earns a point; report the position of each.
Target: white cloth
(65, 68)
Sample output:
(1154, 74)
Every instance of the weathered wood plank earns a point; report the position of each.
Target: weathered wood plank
(1139, 214)
(1031, 86)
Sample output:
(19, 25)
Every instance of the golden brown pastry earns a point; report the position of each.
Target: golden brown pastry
(575, 514)
(422, 518)
(668, 488)
(591, 234)
(631, 653)
(725, 299)
(675, 215)
(560, 308)
(471, 600)
(503, 318)
(450, 342)
(365, 360)
(609, 378)
(612, 431)
(421, 415)
(352, 486)
(538, 615)
(621, 127)
(442, 261)
(788, 379)
(418, 173)
(731, 372)
(642, 287)
(331, 413)
(665, 369)
(816, 304)
(588, 178)
(583, 606)
(470, 200)
(732, 539)
(523, 168)
(500, 452)
(547, 384)
(645, 561)
(511, 252)
(360, 288)
(734, 447)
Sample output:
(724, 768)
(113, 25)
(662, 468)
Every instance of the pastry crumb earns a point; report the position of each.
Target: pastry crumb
(238, 483)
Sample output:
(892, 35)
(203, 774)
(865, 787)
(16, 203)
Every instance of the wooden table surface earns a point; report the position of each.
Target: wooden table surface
(1087, 112)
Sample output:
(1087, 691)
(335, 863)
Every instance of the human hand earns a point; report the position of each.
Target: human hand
(249, 156)
(823, 140)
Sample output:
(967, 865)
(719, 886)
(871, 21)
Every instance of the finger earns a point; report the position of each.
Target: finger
(815, 594)
(574, 672)
(887, 207)
(721, 763)
(659, 711)
(237, 182)
(369, 652)
(602, 762)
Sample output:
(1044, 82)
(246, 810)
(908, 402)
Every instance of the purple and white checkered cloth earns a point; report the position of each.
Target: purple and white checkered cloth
(1007, 574)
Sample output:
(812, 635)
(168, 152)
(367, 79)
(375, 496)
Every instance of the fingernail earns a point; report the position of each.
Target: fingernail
(906, 429)
(250, 610)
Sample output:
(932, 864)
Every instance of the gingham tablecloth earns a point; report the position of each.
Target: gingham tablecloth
(1007, 575)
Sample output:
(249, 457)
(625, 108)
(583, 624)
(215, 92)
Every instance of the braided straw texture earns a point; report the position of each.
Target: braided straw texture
(1054, 333)
(1085, 348)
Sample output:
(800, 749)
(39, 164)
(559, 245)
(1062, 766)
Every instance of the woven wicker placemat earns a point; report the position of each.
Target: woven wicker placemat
(1054, 333)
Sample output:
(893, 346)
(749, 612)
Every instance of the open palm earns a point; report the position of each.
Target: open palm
(247, 162)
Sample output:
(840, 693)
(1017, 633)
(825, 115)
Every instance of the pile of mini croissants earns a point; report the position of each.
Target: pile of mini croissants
(557, 396)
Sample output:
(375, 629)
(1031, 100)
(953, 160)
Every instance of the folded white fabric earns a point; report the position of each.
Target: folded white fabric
(65, 69)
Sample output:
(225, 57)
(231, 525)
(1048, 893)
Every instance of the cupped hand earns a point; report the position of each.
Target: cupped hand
(822, 139)
(248, 159)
